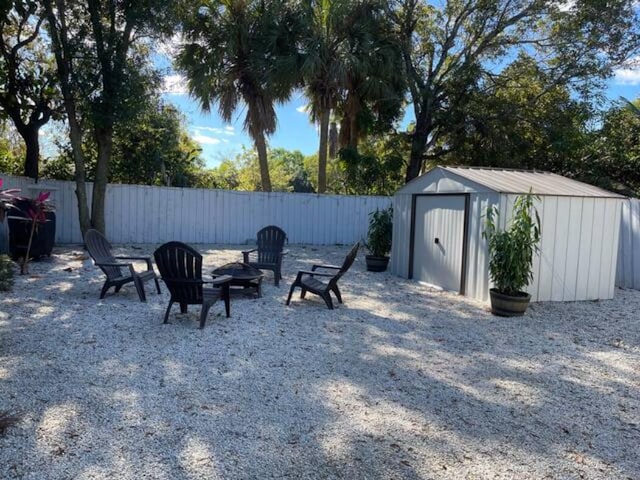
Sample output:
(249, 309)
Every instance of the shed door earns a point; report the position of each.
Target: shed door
(439, 240)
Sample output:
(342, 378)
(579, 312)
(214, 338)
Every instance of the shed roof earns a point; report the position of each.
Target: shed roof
(506, 180)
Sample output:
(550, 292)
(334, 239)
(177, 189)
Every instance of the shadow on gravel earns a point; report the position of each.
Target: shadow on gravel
(396, 383)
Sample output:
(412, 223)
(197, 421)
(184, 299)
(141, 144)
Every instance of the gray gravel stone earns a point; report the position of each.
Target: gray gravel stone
(400, 382)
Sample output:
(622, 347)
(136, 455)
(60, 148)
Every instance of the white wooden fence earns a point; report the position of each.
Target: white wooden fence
(145, 214)
(628, 271)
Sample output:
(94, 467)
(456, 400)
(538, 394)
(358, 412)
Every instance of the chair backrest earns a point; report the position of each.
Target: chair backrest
(271, 241)
(348, 261)
(180, 267)
(100, 250)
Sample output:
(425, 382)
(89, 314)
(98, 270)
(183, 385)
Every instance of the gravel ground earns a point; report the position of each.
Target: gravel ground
(399, 382)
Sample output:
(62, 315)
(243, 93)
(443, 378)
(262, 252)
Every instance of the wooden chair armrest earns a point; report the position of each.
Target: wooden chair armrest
(123, 265)
(111, 264)
(332, 267)
(179, 281)
(144, 259)
(313, 273)
(245, 254)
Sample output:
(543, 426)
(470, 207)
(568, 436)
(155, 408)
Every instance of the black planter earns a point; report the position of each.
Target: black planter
(4, 237)
(377, 264)
(509, 305)
(20, 229)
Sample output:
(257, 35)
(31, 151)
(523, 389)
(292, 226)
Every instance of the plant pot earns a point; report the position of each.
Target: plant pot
(20, 230)
(4, 237)
(509, 305)
(377, 264)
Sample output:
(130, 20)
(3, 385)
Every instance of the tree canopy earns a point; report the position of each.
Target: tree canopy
(510, 83)
(242, 50)
(448, 47)
(29, 96)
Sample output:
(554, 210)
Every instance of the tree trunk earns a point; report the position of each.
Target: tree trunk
(333, 140)
(75, 136)
(353, 133)
(419, 141)
(325, 116)
(29, 134)
(63, 63)
(415, 158)
(344, 135)
(261, 147)
(104, 142)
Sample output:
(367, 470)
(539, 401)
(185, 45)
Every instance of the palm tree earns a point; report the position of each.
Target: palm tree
(323, 67)
(633, 107)
(242, 51)
(374, 91)
(346, 63)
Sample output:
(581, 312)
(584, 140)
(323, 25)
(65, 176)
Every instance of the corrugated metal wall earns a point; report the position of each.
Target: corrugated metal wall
(628, 271)
(401, 235)
(477, 276)
(578, 249)
(145, 214)
(439, 181)
(478, 284)
(440, 217)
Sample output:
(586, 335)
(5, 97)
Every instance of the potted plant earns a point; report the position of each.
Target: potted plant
(379, 239)
(32, 232)
(511, 256)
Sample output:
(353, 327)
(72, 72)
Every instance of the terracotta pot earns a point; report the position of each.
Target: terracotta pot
(509, 305)
(377, 264)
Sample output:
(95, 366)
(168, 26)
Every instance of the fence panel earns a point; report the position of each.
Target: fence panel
(146, 214)
(628, 268)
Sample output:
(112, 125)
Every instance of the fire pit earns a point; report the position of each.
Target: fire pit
(245, 278)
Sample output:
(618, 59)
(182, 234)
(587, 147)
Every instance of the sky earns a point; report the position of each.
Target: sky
(295, 131)
(220, 140)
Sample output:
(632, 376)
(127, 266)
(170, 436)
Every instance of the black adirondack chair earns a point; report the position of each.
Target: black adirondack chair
(117, 270)
(269, 251)
(309, 281)
(180, 267)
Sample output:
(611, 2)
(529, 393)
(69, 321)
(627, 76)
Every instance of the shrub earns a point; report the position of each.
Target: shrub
(380, 232)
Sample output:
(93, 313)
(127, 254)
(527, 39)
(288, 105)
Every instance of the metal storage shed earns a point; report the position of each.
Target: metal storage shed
(439, 220)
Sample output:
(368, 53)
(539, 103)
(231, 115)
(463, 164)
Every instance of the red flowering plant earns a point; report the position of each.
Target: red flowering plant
(6, 199)
(37, 214)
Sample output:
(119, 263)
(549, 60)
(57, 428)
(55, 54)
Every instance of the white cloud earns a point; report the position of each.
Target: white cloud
(205, 139)
(229, 128)
(630, 74)
(217, 130)
(174, 85)
(627, 76)
(302, 109)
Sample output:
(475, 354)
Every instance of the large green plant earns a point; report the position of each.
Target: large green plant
(380, 232)
(511, 250)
